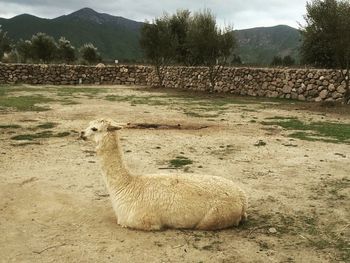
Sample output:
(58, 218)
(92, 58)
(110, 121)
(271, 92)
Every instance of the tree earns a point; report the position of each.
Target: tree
(5, 45)
(89, 53)
(65, 52)
(179, 27)
(191, 40)
(236, 60)
(158, 45)
(326, 38)
(286, 61)
(277, 61)
(24, 50)
(43, 47)
(209, 45)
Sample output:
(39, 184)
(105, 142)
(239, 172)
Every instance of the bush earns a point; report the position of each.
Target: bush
(89, 53)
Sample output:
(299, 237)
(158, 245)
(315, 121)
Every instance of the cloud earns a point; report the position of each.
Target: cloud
(242, 14)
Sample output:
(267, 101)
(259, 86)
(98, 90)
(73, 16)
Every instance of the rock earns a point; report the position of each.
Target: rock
(301, 97)
(331, 87)
(341, 89)
(318, 99)
(272, 230)
(287, 89)
(100, 65)
(336, 95)
(323, 94)
(310, 87)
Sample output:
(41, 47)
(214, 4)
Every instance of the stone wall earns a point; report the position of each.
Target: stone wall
(73, 75)
(301, 84)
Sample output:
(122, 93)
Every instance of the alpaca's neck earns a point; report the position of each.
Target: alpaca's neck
(116, 174)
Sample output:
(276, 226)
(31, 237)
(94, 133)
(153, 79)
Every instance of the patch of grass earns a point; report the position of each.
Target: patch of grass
(47, 125)
(39, 135)
(10, 126)
(289, 124)
(260, 143)
(314, 131)
(69, 102)
(281, 118)
(201, 115)
(25, 103)
(70, 91)
(223, 151)
(134, 100)
(25, 144)
(180, 161)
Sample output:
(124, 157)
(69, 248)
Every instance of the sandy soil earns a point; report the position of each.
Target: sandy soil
(54, 207)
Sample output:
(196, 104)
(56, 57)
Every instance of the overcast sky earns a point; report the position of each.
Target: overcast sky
(240, 14)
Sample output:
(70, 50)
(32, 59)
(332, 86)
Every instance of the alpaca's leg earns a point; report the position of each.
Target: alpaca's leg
(145, 222)
(221, 216)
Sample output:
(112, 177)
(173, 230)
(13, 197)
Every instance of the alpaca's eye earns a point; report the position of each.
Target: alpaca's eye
(94, 129)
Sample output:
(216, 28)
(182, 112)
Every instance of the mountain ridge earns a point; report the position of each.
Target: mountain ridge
(117, 37)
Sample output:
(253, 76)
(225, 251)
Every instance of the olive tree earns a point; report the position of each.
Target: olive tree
(191, 40)
(65, 52)
(43, 48)
(5, 45)
(209, 45)
(158, 45)
(326, 38)
(24, 50)
(89, 53)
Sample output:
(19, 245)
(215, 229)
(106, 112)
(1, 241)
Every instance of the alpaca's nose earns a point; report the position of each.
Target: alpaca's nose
(82, 135)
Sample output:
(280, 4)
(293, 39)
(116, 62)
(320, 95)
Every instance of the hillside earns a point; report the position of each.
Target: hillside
(259, 45)
(117, 37)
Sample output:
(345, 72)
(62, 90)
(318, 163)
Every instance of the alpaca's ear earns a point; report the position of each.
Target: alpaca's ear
(113, 128)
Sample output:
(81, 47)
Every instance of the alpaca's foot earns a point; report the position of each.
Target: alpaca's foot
(146, 223)
(218, 218)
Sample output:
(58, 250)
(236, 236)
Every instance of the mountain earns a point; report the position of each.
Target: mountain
(117, 37)
(259, 45)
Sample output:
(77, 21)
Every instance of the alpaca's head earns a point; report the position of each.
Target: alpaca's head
(98, 128)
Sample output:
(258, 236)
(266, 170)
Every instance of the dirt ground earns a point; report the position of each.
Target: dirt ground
(54, 206)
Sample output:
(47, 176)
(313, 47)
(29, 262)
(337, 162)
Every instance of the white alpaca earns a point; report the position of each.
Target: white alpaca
(154, 202)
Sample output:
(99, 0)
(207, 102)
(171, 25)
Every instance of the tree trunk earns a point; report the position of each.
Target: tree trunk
(214, 72)
(160, 74)
(347, 87)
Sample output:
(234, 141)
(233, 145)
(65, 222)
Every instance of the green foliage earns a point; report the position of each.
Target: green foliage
(326, 37)
(208, 44)
(4, 43)
(180, 161)
(285, 61)
(24, 50)
(47, 125)
(24, 103)
(43, 47)
(39, 135)
(258, 46)
(89, 53)
(314, 131)
(158, 45)
(236, 60)
(188, 40)
(65, 52)
(179, 26)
